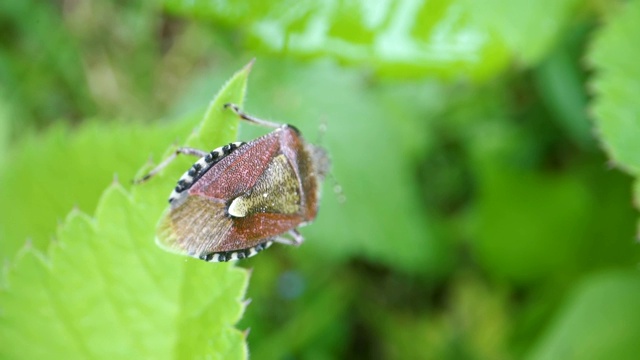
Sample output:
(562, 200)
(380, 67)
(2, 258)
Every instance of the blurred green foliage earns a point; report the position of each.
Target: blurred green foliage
(483, 219)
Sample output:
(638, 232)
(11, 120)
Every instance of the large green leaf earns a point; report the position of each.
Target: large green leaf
(538, 218)
(535, 226)
(66, 168)
(617, 85)
(600, 321)
(105, 290)
(400, 38)
(560, 82)
(529, 28)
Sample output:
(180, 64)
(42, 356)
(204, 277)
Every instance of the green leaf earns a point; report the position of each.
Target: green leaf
(105, 290)
(221, 124)
(535, 222)
(534, 226)
(600, 321)
(398, 38)
(520, 236)
(617, 85)
(5, 116)
(529, 28)
(560, 81)
(67, 169)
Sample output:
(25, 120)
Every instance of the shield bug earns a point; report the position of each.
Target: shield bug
(238, 199)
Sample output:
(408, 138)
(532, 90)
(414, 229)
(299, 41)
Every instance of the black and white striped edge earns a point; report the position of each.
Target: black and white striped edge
(236, 254)
(199, 168)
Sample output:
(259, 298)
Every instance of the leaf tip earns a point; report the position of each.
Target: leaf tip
(246, 302)
(249, 65)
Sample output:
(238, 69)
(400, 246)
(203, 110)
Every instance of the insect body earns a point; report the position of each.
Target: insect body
(238, 199)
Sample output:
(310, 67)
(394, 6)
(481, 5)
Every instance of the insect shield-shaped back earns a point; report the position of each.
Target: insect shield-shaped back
(238, 199)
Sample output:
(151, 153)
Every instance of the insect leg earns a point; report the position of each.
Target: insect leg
(167, 161)
(250, 118)
(296, 238)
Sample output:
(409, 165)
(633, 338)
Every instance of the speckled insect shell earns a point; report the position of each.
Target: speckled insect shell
(236, 200)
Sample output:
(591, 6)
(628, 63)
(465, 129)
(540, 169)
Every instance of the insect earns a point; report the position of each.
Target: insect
(238, 199)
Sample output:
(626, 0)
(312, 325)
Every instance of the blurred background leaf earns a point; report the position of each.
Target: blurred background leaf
(599, 321)
(529, 29)
(482, 219)
(616, 85)
(402, 38)
(39, 64)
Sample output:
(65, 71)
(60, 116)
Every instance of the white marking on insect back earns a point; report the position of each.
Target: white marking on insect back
(275, 191)
(238, 207)
(199, 168)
